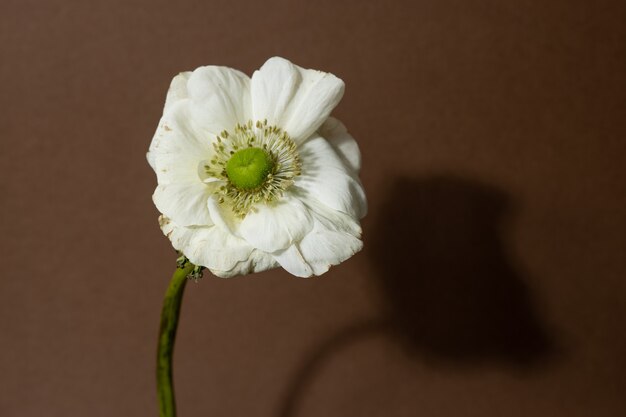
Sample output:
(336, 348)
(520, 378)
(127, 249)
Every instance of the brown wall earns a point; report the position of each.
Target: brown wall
(493, 280)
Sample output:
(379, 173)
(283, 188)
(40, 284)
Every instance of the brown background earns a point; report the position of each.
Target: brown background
(492, 283)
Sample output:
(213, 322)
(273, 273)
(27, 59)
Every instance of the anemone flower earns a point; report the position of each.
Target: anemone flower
(252, 174)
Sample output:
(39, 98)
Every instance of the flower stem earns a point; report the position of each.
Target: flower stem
(167, 336)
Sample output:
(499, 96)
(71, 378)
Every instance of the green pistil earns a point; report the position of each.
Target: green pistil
(248, 168)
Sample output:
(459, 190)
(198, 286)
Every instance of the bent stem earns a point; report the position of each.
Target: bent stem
(167, 336)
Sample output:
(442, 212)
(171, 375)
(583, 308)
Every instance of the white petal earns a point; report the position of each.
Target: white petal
(298, 100)
(291, 259)
(272, 89)
(215, 249)
(178, 235)
(332, 219)
(344, 144)
(220, 98)
(150, 158)
(208, 246)
(184, 203)
(223, 216)
(276, 226)
(178, 147)
(177, 90)
(323, 247)
(257, 261)
(325, 178)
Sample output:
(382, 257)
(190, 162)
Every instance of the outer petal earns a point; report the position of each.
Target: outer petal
(298, 100)
(178, 147)
(276, 226)
(324, 247)
(257, 261)
(325, 178)
(207, 246)
(223, 217)
(176, 92)
(332, 219)
(220, 98)
(185, 203)
(292, 260)
(177, 152)
(344, 144)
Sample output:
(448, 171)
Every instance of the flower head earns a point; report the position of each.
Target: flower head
(253, 173)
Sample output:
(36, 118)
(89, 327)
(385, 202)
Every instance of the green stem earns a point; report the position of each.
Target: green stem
(167, 336)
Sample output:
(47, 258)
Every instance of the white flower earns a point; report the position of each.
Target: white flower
(253, 173)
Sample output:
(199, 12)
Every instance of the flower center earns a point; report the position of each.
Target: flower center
(254, 164)
(248, 168)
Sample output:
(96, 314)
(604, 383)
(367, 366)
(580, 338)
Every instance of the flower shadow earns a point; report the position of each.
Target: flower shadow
(452, 290)
(453, 295)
